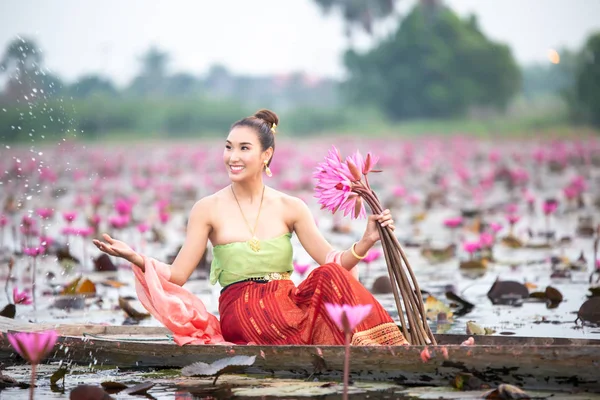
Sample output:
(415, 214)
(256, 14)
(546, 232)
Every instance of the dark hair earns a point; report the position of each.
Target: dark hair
(262, 121)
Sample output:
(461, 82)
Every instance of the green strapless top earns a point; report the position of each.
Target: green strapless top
(236, 261)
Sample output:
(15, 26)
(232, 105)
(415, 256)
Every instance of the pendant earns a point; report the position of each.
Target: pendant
(254, 244)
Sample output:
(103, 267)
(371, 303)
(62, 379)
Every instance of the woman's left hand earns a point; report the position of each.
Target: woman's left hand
(385, 219)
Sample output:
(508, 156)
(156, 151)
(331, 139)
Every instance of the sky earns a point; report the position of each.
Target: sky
(257, 37)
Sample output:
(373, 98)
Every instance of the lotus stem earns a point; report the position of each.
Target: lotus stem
(346, 363)
(420, 332)
(32, 383)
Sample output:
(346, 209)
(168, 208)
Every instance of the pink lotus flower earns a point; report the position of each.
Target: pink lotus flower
(512, 218)
(399, 191)
(163, 216)
(453, 222)
(70, 216)
(301, 268)
(495, 227)
(549, 207)
(347, 317)
(334, 184)
(372, 255)
(486, 240)
(33, 346)
(3, 220)
(512, 208)
(143, 227)
(84, 232)
(123, 207)
(118, 221)
(21, 297)
(471, 247)
(27, 221)
(45, 213)
(34, 251)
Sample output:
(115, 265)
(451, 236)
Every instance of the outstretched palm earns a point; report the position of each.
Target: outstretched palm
(115, 247)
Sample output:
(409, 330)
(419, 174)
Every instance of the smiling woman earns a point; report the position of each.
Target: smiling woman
(250, 226)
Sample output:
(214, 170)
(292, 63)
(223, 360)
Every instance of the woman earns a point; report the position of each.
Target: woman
(250, 226)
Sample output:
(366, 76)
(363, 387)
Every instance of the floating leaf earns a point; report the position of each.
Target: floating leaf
(465, 306)
(138, 389)
(71, 287)
(433, 307)
(81, 286)
(512, 241)
(219, 367)
(58, 375)
(590, 311)
(506, 392)
(113, 283)
(104, 263)
(553, 296)
(382, 285)
(130, 311)
(507, 292)
(89, 392)
(473, 264)
(9, 311)
(595, 291)
(474, 329)
(467, 381)
(113, 387)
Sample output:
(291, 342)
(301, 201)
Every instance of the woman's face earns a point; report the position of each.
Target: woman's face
(243, 155)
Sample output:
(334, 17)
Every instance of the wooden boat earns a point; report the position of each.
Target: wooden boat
(528, 362)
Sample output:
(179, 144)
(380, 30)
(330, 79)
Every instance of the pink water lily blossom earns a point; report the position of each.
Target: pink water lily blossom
(354, 314)
(453, 222)
(33, 346)
(372, 255)
(334, 184)
(301, 268)
(549, 207)
(21, 297)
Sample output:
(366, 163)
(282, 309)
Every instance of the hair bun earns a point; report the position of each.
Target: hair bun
(267, 116)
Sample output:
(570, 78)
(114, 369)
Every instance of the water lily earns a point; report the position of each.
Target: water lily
(21, 297)
(69, 216)
(33, 347)
(471, 247)
(301, 268)
(45, 213)
(372, 255)
(347, 318)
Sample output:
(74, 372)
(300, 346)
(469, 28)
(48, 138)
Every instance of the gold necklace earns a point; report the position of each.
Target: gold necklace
(254, 243)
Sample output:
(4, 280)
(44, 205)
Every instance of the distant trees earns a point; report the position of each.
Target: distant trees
(361, 13)
(22, 64)
(585, 96)
(435, 65)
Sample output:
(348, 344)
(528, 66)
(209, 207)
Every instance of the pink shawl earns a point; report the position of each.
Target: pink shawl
(179, 310)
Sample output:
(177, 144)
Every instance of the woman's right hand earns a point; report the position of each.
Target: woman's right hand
(117, 248)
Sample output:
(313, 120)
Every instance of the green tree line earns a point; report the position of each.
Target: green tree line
(435, 65)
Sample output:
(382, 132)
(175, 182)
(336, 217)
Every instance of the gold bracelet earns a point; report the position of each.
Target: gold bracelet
(354, 252)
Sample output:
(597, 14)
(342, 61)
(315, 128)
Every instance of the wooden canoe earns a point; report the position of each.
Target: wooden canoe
(528, 362)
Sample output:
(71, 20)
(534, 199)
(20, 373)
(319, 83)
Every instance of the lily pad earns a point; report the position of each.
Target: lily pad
(590, 311)
(506, 392)
(507, 292)
(219, 367)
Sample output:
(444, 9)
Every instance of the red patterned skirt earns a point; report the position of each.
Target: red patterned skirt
(279, 313)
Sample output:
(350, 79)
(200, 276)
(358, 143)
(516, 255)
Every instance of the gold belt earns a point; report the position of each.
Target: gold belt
(272, 276)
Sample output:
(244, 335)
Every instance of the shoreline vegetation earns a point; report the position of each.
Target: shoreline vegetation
(102, 119)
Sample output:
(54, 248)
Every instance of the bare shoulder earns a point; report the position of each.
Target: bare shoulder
(287, 201)
(205, 206)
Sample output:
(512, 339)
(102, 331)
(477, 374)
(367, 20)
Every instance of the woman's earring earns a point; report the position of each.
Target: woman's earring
(268, 170)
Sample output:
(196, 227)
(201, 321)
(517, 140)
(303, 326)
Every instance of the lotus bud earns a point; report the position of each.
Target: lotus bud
(354, 170)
